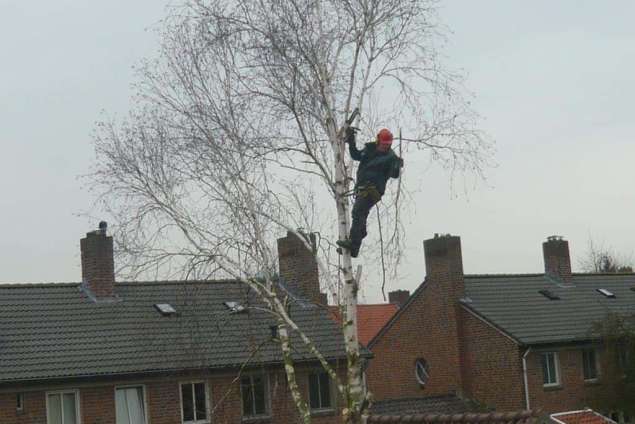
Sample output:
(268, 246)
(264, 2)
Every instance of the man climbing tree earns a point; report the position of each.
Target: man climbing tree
(377, 163)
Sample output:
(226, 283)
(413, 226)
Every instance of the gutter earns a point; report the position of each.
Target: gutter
(525, 378)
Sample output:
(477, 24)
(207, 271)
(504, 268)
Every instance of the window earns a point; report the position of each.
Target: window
(606, 293)
(194, 402)
(234, 307)
(589, 364)
(320, 390)
(549, 294)
(421, 371)
(62, 407)
(130, 405)
(19, 402)
(253, 389)
(165, 309)
(550, 375)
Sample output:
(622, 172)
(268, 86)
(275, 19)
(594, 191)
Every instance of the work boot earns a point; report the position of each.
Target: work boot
(343, 244)
(355, 249)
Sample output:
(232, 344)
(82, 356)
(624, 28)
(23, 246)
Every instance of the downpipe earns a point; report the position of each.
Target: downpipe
(527, 406)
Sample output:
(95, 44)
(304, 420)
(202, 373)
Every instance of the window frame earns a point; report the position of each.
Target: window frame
(595, 362)
(61, 393)
(421, 362)
(208, 408)
(145, 399)
(265, 381)
(331, 393)
(556, 367)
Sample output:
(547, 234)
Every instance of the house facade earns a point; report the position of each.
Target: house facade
(507, 342)
(161, 352)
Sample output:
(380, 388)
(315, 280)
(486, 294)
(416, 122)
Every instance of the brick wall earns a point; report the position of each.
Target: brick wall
(34, 411)
(97, 404)
(492, 365)
(573, 392)
(427, 328)
(97, 401)
(298, 266)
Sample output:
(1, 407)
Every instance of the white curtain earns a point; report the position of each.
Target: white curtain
(62, 408)
(129, 405)
(54, 409)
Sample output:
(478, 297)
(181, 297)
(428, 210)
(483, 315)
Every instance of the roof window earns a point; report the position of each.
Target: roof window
(234, 307)
(606, 293)
(549, 294)
(165, 309)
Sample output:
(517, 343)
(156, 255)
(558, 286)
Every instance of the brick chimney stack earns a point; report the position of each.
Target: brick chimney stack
(299, 267)
(444, 288)
(98, 268)
(444, 263)
(557, 259)
(399, 297)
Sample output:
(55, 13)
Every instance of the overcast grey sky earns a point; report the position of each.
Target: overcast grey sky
(554, 82)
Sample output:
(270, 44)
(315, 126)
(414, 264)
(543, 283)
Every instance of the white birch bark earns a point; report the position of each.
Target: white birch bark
(235, 129)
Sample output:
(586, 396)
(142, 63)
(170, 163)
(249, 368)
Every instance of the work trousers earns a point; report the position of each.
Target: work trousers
(365, 199)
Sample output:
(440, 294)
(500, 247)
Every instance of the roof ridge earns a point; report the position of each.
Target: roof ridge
(36, 284)
(160, 282)
(119, 283)
(501, 275)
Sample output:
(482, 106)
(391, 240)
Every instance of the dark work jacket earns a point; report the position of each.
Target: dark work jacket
(374, 167)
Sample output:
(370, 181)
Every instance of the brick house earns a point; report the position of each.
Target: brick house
(504, 341)
(161, 352)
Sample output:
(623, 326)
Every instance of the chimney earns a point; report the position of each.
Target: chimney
(557, 260)
(399, 297)
(444, 289)
(444, 263)
(298, 265)
(98, 269)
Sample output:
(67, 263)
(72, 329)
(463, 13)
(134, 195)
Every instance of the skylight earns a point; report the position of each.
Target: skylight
(549, 294)
(606, 293)
(234, 307)
(165, 308)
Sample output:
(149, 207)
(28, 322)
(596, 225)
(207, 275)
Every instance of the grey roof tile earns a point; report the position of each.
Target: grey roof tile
(445, 404)
(54, 331)
(513, 304)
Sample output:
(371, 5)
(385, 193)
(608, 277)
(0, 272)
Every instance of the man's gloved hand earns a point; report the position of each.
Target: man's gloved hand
(350, 135)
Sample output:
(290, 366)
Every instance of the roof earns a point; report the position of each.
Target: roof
(446, 404)
(370, 319)
(519, 417)
(513, 304)
(586, 416)
(50, 331)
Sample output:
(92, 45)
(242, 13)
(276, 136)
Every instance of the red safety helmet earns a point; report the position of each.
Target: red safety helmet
(384, 136)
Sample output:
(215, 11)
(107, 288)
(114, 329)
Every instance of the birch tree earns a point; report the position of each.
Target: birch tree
(237, 135)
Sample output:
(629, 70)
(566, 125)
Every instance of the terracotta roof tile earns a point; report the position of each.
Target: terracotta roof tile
(587, 416)
(371, 319)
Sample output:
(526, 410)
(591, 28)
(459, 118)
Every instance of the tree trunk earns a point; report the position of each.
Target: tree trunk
(303, 409)
(355, 391)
